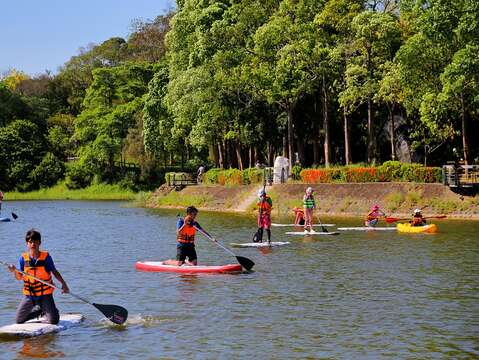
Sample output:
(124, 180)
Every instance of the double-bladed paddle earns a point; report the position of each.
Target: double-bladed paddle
(394, 219)
(114, 313)
(244, 262)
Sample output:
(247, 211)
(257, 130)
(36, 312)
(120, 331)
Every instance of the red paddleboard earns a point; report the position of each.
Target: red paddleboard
(159, 266)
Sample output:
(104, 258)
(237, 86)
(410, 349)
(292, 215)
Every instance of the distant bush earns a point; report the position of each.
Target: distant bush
(389, 171)
(233, 176)
(77, 176)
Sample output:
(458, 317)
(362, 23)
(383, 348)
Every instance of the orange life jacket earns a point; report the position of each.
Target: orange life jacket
(32, 287)
(186, 234)
(264, 206)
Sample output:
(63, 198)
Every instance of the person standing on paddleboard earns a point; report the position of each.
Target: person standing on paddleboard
(185, 236)
(265, 204)
(39, 264)
(309, 205)
(373, 216)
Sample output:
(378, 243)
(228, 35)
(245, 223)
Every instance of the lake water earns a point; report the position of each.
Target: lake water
(352, 296)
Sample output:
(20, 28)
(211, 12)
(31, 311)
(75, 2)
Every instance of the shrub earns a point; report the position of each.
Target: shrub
(315, 176)
(252, 176)
(296, 172)
(49, 171)
(77, 176)
(356, 175)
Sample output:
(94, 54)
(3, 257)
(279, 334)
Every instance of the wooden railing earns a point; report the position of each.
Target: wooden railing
(174, 179)
(457, 175)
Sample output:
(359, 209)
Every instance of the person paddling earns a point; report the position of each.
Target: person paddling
(264, 204)
(38, 297)
(185, 237)
(373, 216)
(309, 205)
(417, 219)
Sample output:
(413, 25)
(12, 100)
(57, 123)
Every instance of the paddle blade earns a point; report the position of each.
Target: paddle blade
(245, 262)
(114, 313)
(390, 220)
(14, 216)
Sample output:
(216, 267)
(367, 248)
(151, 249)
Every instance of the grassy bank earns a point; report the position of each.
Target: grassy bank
(60, 192)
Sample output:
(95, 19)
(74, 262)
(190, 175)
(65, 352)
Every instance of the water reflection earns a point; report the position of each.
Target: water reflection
(40, 348)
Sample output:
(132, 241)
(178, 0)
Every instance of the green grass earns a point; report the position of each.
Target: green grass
(178, 199)
(394, 200)
(60, 192)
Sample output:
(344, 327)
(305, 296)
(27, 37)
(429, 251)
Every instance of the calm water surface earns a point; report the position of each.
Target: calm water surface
(352, 296)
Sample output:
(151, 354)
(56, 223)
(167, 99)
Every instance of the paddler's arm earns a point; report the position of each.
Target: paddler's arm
(59, 277)
(200, 229)
(16, 274)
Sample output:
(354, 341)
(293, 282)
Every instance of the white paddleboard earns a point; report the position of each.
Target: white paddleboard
(311, 233)
(260, 245)
(36, 327)
(365, 228)
(290, 225)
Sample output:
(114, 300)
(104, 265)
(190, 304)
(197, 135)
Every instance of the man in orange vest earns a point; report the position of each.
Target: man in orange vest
(39, 264)
(185, 236)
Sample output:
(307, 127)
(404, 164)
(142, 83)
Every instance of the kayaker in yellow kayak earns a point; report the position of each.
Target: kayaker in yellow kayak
(373, 216)
(417, 219)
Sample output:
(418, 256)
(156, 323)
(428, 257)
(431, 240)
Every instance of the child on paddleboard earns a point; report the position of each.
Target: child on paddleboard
(264, 204)
(309, 205)
(417, 218)
(298, 216)
(37, 295)
(373, 216)
(185, 237)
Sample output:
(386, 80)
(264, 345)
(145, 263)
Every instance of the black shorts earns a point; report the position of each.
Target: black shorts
(184, 251)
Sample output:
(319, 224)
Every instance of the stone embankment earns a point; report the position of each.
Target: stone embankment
(333, 199)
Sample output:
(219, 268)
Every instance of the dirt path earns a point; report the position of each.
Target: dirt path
(251, 198)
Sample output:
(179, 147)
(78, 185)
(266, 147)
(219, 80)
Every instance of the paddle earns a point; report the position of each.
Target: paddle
(14, 216)
(393, 219)
(244, 262)
(322, 227)
(114, 313)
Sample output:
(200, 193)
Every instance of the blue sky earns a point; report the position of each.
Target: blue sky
(38, 35)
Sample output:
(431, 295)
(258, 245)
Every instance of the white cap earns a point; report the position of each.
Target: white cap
(417, 211)
(261, 192)
(309, 190)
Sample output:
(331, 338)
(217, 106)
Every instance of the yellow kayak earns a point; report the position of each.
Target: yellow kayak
(407, 228)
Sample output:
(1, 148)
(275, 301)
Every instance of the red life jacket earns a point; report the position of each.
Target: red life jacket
(32, 287)
(264, 206)
(186, 235)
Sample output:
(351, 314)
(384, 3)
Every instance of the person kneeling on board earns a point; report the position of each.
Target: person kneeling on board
(265, 204)
(373, 216)
(37, 295)
(417, 219)
(185, 236)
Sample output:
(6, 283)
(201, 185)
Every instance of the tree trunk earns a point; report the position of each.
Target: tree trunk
(315, 151)
(270, 154)
(250, 155)
(300, 146)
(220, 155)
(347, 143)
(238, 155)
(290, 138)
(285, 146)
(327, 141)
(371, 138)
(465, 142)
(393, 146)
